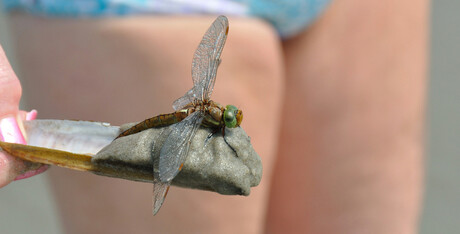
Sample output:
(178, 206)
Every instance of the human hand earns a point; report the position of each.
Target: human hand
(11, 118)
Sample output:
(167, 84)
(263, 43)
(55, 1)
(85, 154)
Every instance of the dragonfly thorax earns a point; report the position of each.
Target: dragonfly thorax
(217, 116)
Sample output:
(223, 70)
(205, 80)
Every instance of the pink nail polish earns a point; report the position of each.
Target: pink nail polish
(31, 115)
(10, 131)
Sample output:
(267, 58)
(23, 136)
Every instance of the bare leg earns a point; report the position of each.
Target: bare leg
(350, 159)
(125, 70)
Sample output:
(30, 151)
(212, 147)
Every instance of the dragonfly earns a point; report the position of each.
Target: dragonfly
(192, 110)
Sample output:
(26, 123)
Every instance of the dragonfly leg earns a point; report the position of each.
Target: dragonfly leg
(223, 135)
(209, 137)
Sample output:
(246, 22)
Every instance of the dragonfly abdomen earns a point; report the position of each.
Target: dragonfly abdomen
(166, 119)
(158, 121)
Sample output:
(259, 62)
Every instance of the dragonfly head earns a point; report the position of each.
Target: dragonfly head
(232, 116)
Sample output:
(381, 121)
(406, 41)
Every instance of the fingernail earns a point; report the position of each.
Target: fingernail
(10, 131)
(31, 115)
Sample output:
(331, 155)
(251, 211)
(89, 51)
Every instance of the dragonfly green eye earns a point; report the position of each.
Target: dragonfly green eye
(230, 116)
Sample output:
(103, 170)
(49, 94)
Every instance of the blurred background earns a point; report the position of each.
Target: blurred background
(27, 206)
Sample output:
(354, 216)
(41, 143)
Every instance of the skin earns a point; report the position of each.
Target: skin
(10, 88)
(12, 168)
(9, 101)
(361, 85)
(336, 114)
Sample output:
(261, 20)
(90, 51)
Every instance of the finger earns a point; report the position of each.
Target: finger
(12, 168)
(10, 88)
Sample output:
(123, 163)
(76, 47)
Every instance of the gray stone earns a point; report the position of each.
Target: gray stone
(211, 163)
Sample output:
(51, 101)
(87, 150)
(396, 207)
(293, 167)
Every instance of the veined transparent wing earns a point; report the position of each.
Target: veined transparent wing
(207, 57)
(205, 63)
(160, 190)
(175, 148)
(184, 100)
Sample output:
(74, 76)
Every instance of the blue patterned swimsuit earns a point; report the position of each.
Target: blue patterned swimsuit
(289, 17)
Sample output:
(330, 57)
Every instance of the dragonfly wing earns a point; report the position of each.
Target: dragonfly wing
(205, 62)
(207, 58)
(184, 100)
(175, 148)
(160, 190)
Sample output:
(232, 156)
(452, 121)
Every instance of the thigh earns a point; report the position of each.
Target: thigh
(351, 143)
(128, 69)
